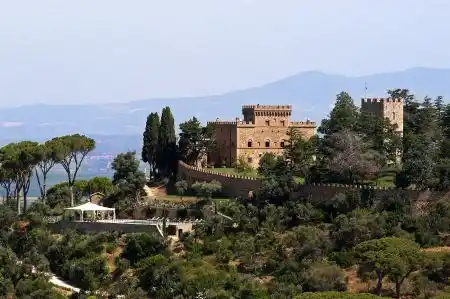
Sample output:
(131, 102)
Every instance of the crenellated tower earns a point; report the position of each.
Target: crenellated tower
(263, 129)
(389, 108)
(266, 115)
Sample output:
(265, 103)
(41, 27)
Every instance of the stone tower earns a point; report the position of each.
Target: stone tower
(263, 130)
(389, 108)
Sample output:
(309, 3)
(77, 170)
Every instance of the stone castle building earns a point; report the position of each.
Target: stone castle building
(389, 108)
(263, 129)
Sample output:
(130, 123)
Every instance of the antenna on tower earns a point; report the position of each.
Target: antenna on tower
(365, 89)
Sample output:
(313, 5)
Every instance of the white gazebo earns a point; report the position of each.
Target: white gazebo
(92, 207)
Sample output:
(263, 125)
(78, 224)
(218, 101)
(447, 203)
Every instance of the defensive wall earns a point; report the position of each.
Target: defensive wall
(232, 185)
(239, 186)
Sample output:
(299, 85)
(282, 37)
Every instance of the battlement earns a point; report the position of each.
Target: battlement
(381, 100)
(223, 122)
(267, 107)
(307, 123)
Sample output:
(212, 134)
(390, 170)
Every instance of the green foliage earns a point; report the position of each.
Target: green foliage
(151, 141)
(195, 141)
(48, 157)
(71, 150)
(129, 180)
(336, 295)
(78, 259)
(267, 164)
(394, 258)
(59, 195)
(344, 116)
(322, 277)
(242, 166)
(159, 276)
(19, 160)
(167, 149)
(206, 190)
(181, 187)
(99, 184)
(298, 152)
(142, 245)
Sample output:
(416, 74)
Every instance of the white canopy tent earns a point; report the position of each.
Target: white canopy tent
(92, 207)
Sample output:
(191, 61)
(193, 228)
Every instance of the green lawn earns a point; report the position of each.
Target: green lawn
(386, 179)
(253, 174)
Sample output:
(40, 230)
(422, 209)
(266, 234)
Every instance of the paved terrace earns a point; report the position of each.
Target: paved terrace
(123, 225)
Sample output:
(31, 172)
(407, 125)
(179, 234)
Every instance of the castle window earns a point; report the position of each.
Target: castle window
(267, 122)
(249, 144)
(267, 143)
(249, 159)
(282, 143)
(232, 143)
(282, 123)
(393, 115)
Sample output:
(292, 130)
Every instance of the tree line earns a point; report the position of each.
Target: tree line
(162, 149)
(20, 161)
(352, 146)
(358, 147)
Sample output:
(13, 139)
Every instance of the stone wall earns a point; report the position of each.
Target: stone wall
(321, 192)
(232, 185)
(238, 186)
(102, 227)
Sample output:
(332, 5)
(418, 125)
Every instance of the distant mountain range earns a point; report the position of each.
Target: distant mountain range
(311, 94)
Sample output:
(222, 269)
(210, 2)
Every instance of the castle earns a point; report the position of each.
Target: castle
(263, 129)
(389, 108)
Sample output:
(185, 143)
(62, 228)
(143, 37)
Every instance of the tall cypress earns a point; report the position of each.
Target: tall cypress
(150, 142)
(166, 161)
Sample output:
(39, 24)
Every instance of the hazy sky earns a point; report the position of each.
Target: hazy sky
(113, 50)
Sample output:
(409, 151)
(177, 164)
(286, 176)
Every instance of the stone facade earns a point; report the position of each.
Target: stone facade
(263, 129)
(389, 108)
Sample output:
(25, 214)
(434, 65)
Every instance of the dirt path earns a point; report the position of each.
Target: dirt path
(149, 191)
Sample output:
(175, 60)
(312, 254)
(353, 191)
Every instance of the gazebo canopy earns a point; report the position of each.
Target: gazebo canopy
(89, 206)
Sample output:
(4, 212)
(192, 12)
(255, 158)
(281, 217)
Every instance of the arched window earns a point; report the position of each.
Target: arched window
(267, 142)
(249, 142)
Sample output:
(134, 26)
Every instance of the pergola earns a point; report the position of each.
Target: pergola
(91, 207)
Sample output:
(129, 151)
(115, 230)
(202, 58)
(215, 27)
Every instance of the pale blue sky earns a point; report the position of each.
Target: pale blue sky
(115, 51)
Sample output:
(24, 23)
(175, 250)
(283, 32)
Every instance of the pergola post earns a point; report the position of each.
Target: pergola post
(81, 216)
(114, 214)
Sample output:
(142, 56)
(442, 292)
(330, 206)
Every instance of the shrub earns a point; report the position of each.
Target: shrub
(336, 295)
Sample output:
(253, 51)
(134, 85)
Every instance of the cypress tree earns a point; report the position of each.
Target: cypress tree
(166, 160)
(150, 141)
